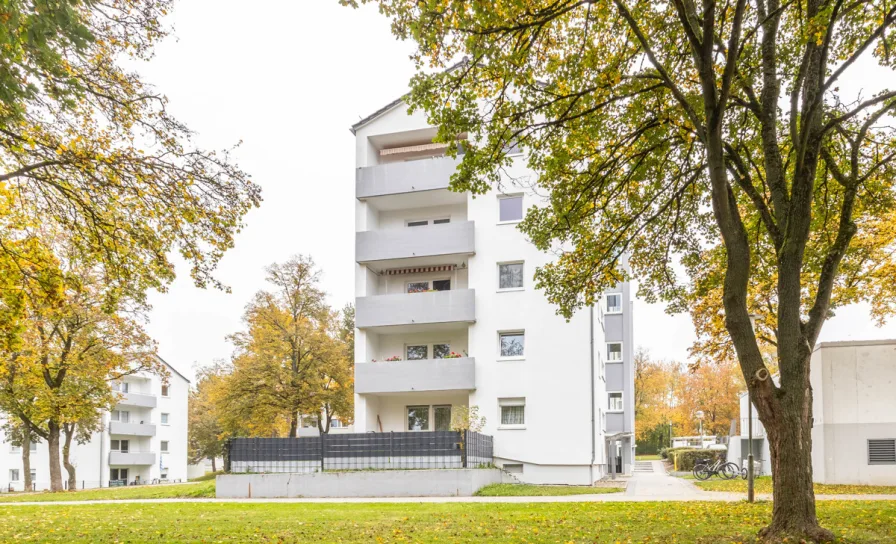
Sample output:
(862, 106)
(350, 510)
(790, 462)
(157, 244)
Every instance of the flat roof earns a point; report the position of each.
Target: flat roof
(852, 343)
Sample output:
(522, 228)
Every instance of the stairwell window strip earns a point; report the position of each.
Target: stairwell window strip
(513, 413)
(614, 401)
(614, 352)
(613, 303)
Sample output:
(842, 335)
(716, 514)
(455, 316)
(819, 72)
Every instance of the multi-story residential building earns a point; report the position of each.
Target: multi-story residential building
(448, 315)
(854, 411)
(144, 440)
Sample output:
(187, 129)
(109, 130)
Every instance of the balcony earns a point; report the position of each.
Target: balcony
(132, 458)
(138, 399)
(132, 429)
(425, 375)
(404, 177)
(408, 311)
(414, 242)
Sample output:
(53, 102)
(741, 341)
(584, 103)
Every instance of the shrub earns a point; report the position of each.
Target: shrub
(664, 453)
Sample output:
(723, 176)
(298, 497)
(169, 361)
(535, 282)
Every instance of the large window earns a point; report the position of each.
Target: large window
(14, 475)
(614, 303)
(510, 276)
(513, 412)
(442, 417)
(423, 286)
(122, 446)
(418, 418)
(614, 402)
(512, 344)
(118, 474)
(510, 208)
(121, 416)
(614, 352)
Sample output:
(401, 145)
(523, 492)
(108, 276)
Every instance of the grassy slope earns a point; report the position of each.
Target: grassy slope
(764, 485)
(174, 491)
(702, 523)
(526, 490)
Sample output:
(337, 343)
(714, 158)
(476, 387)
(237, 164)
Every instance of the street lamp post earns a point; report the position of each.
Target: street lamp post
(700, 419)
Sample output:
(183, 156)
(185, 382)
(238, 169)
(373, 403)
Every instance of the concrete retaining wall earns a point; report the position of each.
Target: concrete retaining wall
(387, 483)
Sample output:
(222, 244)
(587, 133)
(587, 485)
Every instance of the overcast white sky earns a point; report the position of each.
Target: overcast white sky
(287, 79)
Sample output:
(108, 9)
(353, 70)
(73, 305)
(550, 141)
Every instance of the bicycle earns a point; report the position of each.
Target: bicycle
(703, 470)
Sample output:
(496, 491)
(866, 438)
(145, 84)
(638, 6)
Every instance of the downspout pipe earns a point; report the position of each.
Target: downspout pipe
(593, 433)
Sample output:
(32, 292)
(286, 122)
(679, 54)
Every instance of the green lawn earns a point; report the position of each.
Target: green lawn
(763, 484)
(528, 490)
(703, 523)
(207, 476)
(173, 491)
(648, 458)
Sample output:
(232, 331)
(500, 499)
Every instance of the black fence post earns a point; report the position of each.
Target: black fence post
(391, 446)
(323, 450)
(463, 447)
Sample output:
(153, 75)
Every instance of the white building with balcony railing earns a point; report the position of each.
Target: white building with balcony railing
(447, 315)
(144, 440)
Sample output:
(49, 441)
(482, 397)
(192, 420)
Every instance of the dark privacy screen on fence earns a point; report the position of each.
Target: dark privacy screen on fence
(434, 449)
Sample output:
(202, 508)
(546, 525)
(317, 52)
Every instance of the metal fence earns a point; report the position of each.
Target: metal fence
(370, 451)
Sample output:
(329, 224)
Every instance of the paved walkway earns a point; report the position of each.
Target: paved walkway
(654, 483)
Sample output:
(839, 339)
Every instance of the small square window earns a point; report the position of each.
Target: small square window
(418, 418)
(417, 353)
(510, 276)
(614, 303)
(163, 446)
(510, 208)
(615, 402)
(614, 352)
(440, 351)
(164, 390)
(513, 411)
(164, 419)
(512, 344)
(418, 286)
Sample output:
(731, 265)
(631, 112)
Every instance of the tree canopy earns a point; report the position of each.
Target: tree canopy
(710, 135)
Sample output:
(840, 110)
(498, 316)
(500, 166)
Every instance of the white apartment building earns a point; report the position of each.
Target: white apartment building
(447, 315)
(144, 440)
(854, 410)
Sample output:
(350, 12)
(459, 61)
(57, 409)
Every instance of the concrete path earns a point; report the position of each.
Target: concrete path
(654, 483)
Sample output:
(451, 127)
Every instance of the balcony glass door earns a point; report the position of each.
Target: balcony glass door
(442, 417)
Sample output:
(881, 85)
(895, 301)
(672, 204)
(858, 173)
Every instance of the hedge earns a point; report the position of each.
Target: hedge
(686, 459)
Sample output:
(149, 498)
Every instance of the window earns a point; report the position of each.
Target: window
(510, 208)
(614, 303)
(336, 424)
(441, 221)
(121, 416)
(513, 412)
(163, 446)
(440, 351)
(423, 286)
(121, 387)
(15, 449)
(14, 475)
(32, 446)
(418, 223)
(33, 475)
(164, 419)
(418, 418)
(614, 352)
(309, 422)
(442, 417)
(510, 276)
(122, 446)
(512, 344)
(118, 474)
(424, 222)
(882, 451)
(615, 402)
(417, 353)
(164, 390)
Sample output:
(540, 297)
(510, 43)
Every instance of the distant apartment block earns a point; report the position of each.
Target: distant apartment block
(448, 315)
(144, 440)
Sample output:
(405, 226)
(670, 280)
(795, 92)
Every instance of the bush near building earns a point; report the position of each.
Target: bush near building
(685, 458)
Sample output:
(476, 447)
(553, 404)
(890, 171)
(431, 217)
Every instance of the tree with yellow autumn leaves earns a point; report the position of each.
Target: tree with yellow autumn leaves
(294, 359)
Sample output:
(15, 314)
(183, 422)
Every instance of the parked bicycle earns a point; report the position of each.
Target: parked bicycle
(706, 469)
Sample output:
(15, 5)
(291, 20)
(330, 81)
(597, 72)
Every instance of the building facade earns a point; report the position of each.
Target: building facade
(447, 315)
(144, 440)
(854, 411)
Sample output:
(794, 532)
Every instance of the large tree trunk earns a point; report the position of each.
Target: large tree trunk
(55, 469)
(66, 460)
(26, 458)
(294, 425)
(788, 423)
